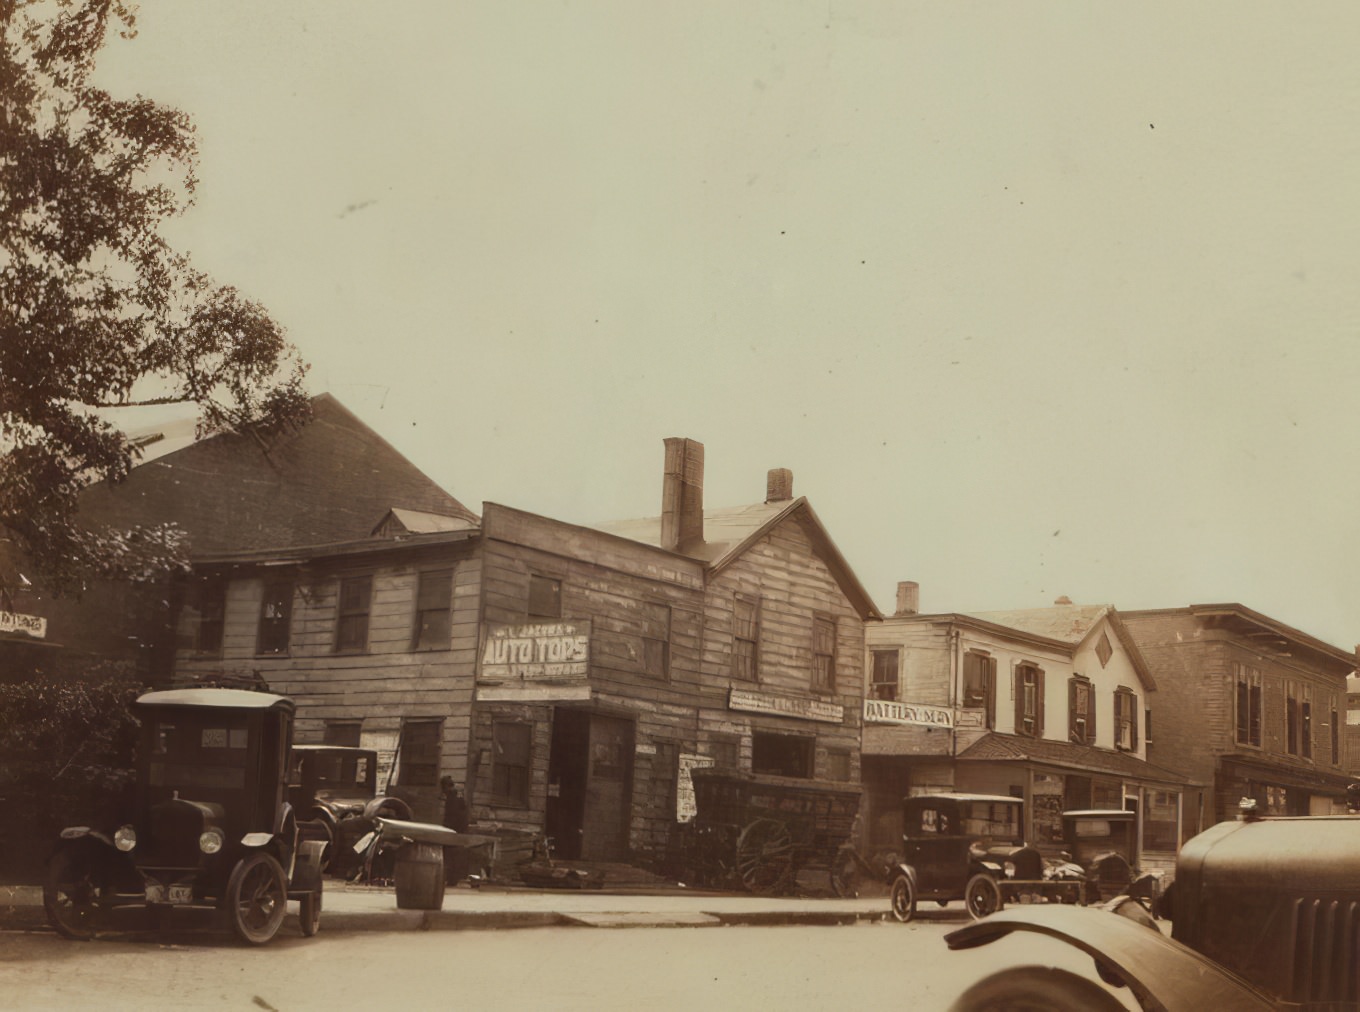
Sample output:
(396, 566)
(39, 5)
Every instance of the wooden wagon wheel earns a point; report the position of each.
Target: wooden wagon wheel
(765, 856)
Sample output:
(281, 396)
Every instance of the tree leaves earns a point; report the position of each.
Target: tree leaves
(96, 308)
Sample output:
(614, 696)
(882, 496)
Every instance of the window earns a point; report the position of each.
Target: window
(785, 755)
(545, 597)
(1248, 705)
(1147, 726)
(1081, 711)
(1298, 716)
(1161, 811)
(210, 601)
(1029, 701)
(885, 674)
(342, 732)
(511, 744)
(979, 684)
(351, 629)
(418, 753)
(746, 637)
(823, 653)
(1126, 713)
(434, 601)
(656, 640)
(276, 612)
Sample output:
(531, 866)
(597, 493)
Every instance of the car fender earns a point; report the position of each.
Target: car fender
(85, 832)
(1163, 974)
(904, 869)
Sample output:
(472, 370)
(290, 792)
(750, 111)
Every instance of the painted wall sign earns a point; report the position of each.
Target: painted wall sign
(520, 692)
(558, 651)
(685, 809)
(886, 711)
(786, 706)
(30, 625)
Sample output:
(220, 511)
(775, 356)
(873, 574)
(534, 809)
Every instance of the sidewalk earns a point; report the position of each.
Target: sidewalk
(367, 908)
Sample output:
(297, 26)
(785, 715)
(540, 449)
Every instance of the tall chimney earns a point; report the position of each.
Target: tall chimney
(779, 485)
(682, 495)
(908, 597)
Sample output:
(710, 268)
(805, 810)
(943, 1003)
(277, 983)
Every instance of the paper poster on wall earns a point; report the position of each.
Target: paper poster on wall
(385, 744)
(685, 809)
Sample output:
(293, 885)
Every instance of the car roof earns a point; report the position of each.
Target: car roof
(967, 797)
(232, 699)
(1100, 813)
(331, 748)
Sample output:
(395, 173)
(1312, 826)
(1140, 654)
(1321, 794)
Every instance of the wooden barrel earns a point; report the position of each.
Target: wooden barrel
(420, 877)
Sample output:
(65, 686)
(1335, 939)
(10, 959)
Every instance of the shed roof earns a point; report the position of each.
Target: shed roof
(1013, 747)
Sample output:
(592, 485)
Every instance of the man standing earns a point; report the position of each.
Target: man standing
(455, 818)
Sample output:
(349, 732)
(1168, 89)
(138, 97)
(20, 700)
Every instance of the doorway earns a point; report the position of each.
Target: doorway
(590, 774)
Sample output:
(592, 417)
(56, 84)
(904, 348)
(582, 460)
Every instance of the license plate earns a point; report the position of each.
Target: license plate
(181, 894)
(157, 893)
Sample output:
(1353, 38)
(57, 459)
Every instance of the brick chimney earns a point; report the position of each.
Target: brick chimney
(908, 598)
(779, 485)
(682, 495)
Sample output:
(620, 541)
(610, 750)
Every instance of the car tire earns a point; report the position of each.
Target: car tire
(902, 898)
(309, 913)
(257, 898)
(982, 896)
(73, 891)
(1036, 989)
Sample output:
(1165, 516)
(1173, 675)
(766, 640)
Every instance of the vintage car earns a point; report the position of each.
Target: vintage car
(1265, 915)
(338, 786)
(970, 847)
(210, 825)
(1104, 842)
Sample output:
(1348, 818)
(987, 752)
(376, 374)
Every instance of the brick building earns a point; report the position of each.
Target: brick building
(1045, 704)
(1248, 707)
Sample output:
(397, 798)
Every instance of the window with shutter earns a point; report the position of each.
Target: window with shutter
(1081, 711)
(979, 684)
(1125, 719)
(1029, 701)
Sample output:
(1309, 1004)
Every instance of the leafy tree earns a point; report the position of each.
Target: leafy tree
(96, 309)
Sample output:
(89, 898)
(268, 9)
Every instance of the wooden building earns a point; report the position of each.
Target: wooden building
(1045, 704)
(1249, 707)
(570, 677)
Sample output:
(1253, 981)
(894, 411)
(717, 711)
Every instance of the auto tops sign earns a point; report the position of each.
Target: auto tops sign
(890, 711)
(536, 651)
(28, 625)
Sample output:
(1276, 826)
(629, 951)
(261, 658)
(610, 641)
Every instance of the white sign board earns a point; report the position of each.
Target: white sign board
(30, 625)
(557, 651)
(890, 711)
(785, 706)
(685, 808)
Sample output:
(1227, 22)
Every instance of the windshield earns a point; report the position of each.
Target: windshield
(193, 751)
(992, 820)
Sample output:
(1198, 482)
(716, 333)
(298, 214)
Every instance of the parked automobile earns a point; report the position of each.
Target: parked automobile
(970, 847)
(1265, 915)
(1104, 842)
(338, 786)
(210, 825)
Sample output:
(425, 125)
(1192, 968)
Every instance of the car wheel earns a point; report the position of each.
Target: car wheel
(903, 898)
(387, 808)
(1036, 989)
(982, 895)
(72, 893)
(257, 898)
(309, 913)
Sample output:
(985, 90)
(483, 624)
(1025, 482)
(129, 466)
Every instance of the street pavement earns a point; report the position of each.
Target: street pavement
(369, 908)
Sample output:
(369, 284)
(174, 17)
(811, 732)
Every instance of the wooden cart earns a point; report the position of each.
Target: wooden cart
(756, 831)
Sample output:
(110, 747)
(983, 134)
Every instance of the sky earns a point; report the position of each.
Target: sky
(1034, 299)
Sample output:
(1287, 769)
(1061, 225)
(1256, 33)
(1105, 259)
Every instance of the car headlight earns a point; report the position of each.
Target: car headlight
(1009, 868)
(125, 839)
(210, 841)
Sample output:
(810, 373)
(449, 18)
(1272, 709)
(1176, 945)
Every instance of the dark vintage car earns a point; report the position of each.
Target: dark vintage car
(210, 825)
(1265, 915)
(969, 847)
(338, 786)
(1104, 842)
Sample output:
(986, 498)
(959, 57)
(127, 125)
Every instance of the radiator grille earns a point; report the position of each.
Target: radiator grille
(1324, 950)
(175, 827)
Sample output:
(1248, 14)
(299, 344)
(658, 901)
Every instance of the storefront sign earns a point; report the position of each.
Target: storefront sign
(685, 808)
(30, 625)
(786, 706)
(557, 651)
(520, 692)
(889, 711)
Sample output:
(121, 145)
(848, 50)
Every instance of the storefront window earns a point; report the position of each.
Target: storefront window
(1160, 815)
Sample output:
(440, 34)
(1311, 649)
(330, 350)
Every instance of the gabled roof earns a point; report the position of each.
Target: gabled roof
(324, 482)
(995, 746)
(729, 532)
(1064, 626)
(1254, 623)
